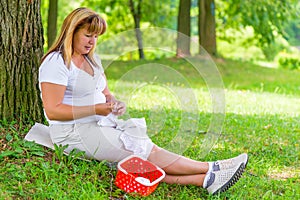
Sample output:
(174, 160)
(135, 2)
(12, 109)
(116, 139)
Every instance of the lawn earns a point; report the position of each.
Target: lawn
(261, 117)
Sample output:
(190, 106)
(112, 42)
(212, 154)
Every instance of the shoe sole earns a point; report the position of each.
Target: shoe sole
(246, 161)
(237, 175)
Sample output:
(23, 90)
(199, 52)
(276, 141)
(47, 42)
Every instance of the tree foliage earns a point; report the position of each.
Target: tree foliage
(267, 18)
(292, 28)
(119, 17)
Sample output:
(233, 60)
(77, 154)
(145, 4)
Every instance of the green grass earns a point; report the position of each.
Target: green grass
(262, 119)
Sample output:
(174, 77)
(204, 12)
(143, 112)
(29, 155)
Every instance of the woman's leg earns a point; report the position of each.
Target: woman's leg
(197, 179)
(174, 164)
(181, 170)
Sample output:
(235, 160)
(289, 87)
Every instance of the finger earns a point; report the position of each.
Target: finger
(121, 106)
(121, 111)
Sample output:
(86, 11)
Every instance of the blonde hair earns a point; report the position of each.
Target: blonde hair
(76, 20)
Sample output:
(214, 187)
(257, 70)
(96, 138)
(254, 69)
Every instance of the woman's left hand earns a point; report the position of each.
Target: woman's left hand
(119, 108)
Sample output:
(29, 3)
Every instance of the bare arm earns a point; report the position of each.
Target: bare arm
(109, 97)
(119, 107)
(52, 96)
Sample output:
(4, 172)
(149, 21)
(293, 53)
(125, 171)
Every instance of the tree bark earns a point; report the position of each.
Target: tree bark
(21, 47)
(136, 13)
(207, 26)
(184, 29)
(52, 22)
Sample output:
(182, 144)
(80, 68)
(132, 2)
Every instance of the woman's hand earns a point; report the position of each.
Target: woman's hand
(119, 108)
(104, 108)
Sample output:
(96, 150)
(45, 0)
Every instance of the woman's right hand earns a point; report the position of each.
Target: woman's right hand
(103, 108)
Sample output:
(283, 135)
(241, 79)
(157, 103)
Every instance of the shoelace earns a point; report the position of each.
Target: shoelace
(225, 164)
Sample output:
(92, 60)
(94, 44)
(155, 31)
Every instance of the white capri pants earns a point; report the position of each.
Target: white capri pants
(104, 142)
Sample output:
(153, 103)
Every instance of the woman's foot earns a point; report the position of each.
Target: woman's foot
(222, 180)
(229, 163)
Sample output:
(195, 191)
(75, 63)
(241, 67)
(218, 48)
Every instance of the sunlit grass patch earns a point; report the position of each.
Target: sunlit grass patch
(285, 173)
(251, 103)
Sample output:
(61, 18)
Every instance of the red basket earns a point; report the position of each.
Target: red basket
(136, 175)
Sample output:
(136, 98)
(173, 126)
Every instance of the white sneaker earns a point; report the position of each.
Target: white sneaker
(222, 180)
(230, 163)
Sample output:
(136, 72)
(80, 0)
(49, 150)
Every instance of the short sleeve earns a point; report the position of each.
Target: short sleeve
(53, 70)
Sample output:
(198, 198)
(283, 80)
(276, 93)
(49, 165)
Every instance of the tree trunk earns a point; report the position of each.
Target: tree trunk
(52, 22)
(21, 47)
(136, 13)
(207, 26)
(184, 29)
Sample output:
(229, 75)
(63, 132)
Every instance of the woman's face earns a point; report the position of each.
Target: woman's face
(84, 41)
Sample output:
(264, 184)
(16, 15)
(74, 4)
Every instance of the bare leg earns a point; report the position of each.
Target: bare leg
(185, 179)
(174, 164)
(185, 171)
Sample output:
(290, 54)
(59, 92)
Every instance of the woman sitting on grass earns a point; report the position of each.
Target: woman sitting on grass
(82, 113)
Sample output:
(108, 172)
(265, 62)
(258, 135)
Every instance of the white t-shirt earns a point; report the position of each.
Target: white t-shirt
(82, 89)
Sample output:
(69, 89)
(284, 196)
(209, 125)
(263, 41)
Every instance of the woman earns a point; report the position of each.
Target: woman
(82, 112)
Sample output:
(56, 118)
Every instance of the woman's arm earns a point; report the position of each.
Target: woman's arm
(108, 95)
(119, 108)
(52, 97)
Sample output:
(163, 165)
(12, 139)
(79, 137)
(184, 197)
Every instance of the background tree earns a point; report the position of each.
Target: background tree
(265, 18)
(183, 28)
(207, 26)
(21, 47)
(135, 8)
(52, 21)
